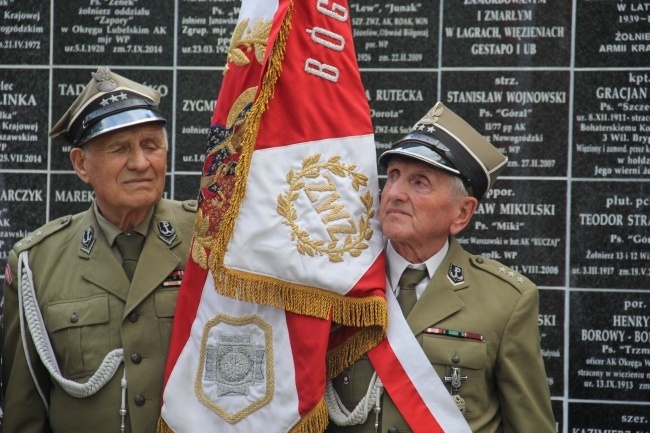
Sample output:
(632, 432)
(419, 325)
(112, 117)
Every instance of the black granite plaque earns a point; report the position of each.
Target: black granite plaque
(69, 195)
(522, 224)
(396, 34)
(551, 329)
(204, 31)
(592, 417)
(25, 32)
(623, 37)
(67, 84)
(116, 32)
(22, 208)
(500, 33)
(611, 132)
(186, 186)
(397, 101)
(522, 113)
(609, 338)
(23, 118)
(195, 101)
(610, 234)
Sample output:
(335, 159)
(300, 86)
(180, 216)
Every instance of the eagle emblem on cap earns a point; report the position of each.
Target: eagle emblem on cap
(431, 117)
(104, 81)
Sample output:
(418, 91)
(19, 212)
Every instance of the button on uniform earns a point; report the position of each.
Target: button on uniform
(133, 317)
(136, 358)
(140, 400)
(74, 318)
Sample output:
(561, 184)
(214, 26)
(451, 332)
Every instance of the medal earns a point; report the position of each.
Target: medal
(456, 380)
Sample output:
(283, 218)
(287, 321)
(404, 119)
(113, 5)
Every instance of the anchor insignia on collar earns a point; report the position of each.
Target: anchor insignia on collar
(166, 232)
(88, 240)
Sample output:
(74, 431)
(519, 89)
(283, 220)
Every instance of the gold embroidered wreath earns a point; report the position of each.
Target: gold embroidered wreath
(311, 169)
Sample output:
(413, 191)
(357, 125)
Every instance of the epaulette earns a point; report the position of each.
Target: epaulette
(509, 275)
(190, 205)
(35, 237)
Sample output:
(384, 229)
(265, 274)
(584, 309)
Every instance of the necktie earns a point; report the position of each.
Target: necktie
(129, 245)
(407, 282)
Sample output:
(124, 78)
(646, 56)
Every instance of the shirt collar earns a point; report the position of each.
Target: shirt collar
(111, 231)
(397, 264)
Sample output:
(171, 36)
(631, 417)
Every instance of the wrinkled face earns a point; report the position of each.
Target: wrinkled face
(126, 168)
(417, 210)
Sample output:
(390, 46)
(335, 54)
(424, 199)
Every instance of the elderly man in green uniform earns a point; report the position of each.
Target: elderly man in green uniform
(474, 319)
(90, 298)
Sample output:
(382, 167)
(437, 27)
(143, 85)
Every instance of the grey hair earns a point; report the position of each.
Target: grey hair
(457, 190)
(166, 137)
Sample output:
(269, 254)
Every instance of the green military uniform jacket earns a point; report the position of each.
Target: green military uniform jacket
(90, 308)
(506, 390)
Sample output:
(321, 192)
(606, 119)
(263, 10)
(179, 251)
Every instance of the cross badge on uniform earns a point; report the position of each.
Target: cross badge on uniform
(456, 380)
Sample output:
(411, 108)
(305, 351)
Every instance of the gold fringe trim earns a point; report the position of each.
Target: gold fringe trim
(346, 354)
(313, 422)
(163, 427)
(251, 128)
(301, 299)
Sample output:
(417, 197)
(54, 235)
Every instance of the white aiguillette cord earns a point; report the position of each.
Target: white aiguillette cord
(27, 303)
(371, 401)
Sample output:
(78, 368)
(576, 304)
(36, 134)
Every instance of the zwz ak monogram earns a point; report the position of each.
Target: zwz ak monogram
(322, 183)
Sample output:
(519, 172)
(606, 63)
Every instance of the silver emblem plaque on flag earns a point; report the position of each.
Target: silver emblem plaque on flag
(235, 375)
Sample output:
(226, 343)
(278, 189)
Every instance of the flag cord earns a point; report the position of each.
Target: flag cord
(371, 401)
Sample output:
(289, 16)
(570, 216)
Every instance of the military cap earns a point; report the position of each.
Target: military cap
(107, 103)
(443, 139)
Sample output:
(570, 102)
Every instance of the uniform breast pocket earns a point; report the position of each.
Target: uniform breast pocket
(468, 359)
(80, 334)
(165, 304)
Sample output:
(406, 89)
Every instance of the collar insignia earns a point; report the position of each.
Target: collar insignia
(455, 274)
(88, 240)
(166, 232)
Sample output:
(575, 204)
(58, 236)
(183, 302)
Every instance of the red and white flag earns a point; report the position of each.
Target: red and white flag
(286, 246)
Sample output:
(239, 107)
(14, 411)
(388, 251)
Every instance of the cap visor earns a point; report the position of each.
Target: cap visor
(419, 152)
(120, 120)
